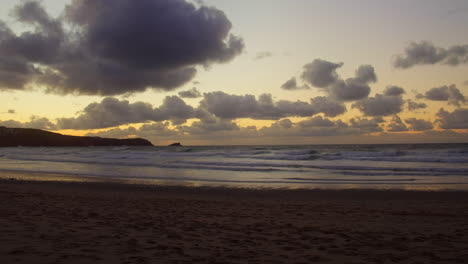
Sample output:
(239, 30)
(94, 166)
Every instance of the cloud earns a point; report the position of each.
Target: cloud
(34, 122)
(209, 124)
(425, 53)
(291, 85)
(396, 125)
(366, 74)
(11, 111)
(366, 125)
(101, 47)
(317, 121)
(380, 105)
(263, 55)
(418, 124)
(321, 73)
(451, 94)
(315, 126)
(350, 90)
(457, 119)
(112, 112)
(327, 106)
(412, 105)
(393, 90)
(154, 131)
(192, 93)
(227, 106)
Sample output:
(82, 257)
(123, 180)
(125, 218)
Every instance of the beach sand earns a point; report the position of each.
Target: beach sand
(59, 222)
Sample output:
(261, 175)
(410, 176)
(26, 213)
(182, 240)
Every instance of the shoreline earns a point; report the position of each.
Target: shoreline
(58, 177)
(83, 222)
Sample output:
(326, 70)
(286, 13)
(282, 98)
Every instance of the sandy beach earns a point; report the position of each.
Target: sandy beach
(59, 222)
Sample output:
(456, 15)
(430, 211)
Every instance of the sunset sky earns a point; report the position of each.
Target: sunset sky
(237, 72)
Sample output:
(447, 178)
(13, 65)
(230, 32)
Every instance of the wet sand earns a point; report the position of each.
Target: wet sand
(53, 222)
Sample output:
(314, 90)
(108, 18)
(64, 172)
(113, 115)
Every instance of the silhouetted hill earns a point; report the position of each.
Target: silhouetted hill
(28, 137)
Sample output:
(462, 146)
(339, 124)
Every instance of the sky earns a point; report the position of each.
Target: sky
(219, 72)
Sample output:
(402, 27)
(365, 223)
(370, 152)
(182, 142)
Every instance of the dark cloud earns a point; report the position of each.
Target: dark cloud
(457, 119)
(209, 124)
(291, 85)
(228, 106)
(102, 47)
(34, 122)
(366, 74)
(451, 94)
(112, 112)
(396, 125)
(366, 125)
(327, 106)
(263, 55)
(380, 105)
(393, 90)
(418, 124)
(11, 111)
(412, 105)
(317, 121)
(350, 90)
(320, 73)
(315, 126)
(192, 93)
(425, 53)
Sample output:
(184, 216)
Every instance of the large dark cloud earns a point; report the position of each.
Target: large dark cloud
(425, 53)
(109, 47)
(451, 94)
(418, 124)
(457, 119)
(112, 112)
(380, 105)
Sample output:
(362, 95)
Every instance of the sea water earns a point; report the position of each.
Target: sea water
(409, 166)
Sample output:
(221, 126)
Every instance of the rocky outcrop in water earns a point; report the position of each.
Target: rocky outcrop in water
(28, 137)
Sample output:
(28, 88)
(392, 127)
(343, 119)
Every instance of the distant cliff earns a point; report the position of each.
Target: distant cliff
(28, 137)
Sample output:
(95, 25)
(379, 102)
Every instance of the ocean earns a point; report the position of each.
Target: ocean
(408, 166)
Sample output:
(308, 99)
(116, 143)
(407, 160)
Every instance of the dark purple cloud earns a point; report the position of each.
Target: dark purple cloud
(109, 47)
